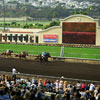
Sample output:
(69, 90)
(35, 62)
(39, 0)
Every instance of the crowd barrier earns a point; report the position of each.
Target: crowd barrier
(55, 44)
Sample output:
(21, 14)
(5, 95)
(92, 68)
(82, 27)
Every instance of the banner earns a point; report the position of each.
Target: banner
(49, 38)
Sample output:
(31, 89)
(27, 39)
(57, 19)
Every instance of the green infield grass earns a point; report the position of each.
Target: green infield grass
(88, 53)
(31, 49)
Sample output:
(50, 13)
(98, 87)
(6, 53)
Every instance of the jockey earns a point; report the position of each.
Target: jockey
(23, 52)
(44, 54)
(8, 51)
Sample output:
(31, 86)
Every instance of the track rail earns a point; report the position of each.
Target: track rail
(59, 58)
(50, 77)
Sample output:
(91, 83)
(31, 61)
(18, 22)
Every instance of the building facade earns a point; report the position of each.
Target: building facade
(75, 29)
(20, 36)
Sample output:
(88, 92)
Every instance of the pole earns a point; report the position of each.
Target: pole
(62, 51)
(26, 16)
(4, 13)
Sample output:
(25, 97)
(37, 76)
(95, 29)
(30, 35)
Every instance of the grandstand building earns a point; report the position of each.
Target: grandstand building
(20, 36)
(75, 29)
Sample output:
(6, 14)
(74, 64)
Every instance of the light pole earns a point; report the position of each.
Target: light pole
(4, 13)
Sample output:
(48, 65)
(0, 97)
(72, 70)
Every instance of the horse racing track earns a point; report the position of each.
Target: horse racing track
(53, 68)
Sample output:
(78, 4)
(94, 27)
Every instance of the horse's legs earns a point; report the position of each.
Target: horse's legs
(6, 54)
(9, 54)
(41, 59)
(25, 57)
(46, 59)
(19, 57)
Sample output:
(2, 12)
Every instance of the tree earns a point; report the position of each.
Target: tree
(89, 9)
(13, 23)
(53, 23)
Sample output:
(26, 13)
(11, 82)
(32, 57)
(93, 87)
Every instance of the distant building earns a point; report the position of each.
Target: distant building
(11, 6)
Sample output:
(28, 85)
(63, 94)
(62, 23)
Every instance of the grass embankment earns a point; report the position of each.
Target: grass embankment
(91, 53)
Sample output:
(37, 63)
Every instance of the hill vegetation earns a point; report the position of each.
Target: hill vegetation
(48, 12)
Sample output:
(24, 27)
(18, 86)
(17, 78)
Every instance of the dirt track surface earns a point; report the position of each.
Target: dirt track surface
(54, 68)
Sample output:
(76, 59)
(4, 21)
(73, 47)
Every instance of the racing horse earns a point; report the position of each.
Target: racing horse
(43, 58)
(22, 55)
(8, 53)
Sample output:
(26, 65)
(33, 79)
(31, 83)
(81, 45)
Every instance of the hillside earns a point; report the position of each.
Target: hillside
(48, 9)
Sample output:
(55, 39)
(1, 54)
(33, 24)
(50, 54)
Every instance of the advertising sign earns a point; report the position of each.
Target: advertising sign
(49, 38)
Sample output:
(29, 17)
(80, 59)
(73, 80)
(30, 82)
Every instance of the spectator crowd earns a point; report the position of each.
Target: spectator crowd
(22, 88)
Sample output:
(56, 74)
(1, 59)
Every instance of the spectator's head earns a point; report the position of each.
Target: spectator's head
(32, 96)
(65, 82)
(27, 95)
(82, 98)
(13, 93)
(52, 97)
(57, 80)
(2, 89)
(18, 92)
(1, 92)
(46, 98)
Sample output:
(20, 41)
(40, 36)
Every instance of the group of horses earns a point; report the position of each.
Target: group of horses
(21, 55)
(39, 58)
(7, 53)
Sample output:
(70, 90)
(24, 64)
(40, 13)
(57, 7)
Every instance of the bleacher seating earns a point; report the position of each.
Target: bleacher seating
(27, 88)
